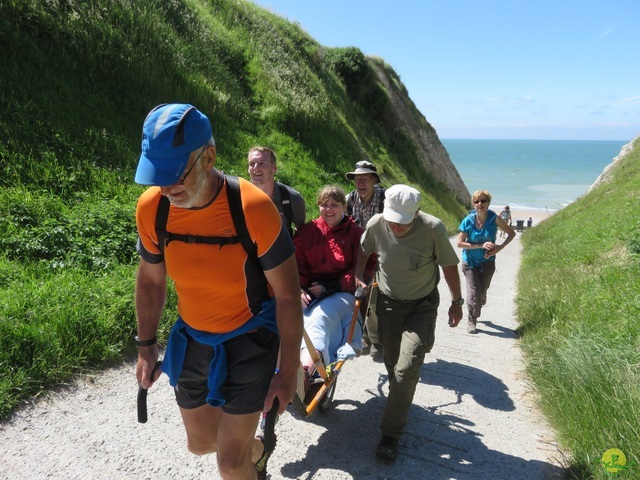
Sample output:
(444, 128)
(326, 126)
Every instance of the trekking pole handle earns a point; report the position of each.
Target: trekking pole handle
(141, 401)
(142, 404)
(269, 426)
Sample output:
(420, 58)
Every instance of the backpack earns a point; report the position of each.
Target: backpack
(235, 206)
(285, 199)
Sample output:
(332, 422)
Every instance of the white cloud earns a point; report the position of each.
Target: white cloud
(605, 33)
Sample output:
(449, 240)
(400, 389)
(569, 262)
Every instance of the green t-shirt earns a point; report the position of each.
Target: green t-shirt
(408, 266)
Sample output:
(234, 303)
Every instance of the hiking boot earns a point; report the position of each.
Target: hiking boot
(387, 448)
(471, 326)
(261, 464)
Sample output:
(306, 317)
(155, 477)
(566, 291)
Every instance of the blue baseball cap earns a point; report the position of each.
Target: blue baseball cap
(169, 134)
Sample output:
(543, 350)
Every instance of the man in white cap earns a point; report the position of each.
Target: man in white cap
(410, 246)
(238, 306)
(363, 203)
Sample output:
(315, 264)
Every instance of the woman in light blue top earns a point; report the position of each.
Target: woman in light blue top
(477, 239)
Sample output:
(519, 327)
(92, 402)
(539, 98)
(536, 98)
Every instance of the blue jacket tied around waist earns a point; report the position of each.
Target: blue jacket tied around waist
(177, 347)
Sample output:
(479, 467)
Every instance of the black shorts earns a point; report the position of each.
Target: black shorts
(251, 363)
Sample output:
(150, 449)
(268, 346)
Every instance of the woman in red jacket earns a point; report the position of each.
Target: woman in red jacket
(326, 252)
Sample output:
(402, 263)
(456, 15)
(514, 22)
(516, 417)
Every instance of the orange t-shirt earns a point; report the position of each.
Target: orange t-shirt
(216, 290)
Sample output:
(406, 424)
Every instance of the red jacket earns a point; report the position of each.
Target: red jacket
(328, 255)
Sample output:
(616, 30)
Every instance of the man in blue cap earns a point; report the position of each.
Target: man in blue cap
(236, 310)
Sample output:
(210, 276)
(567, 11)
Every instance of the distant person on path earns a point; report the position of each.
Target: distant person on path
(363, 203)
(235, 311)
(262, 170)
(477, 239)
(505, 214)
(410, 246)
(326, 253)
(530, 222)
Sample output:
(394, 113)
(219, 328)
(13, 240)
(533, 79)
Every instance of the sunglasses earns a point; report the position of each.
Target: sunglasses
(181, 181)
(482, 200)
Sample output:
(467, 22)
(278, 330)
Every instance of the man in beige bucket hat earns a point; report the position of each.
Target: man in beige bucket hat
(363, 203)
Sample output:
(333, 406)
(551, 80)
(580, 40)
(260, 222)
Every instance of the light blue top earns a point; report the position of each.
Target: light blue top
(475, 257)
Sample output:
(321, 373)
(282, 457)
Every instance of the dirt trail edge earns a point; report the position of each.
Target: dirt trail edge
(473, 418)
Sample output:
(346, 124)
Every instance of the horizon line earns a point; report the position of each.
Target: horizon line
(538, 139)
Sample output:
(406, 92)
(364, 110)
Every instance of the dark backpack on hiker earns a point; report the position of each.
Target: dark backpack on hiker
(285, 200)
(237, 213)
(253, 268)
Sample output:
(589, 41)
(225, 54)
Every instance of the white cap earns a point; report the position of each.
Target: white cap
(401, 204)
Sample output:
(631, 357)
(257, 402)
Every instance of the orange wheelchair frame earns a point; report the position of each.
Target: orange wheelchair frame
(322, 387)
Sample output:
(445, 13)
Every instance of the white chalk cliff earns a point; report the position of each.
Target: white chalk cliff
(605, 176)
(412, 122)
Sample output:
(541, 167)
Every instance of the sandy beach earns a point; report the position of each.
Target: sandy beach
(536, 215)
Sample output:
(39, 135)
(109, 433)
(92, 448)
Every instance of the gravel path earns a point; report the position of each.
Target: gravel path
(473, 418)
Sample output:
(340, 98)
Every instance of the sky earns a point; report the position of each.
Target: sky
(503, 69)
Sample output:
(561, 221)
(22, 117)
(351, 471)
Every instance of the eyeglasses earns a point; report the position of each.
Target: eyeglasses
(482, 200)
(359, 179)
(181, 181)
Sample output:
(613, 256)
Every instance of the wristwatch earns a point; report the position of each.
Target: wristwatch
(460, 301)
(146, 343)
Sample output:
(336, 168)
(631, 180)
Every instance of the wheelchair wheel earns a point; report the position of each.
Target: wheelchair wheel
(325, 404)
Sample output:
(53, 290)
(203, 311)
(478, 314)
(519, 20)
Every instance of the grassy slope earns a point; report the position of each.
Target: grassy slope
(579, 305)
(77, 79)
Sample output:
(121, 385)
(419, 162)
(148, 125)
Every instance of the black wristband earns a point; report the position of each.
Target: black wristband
(146, 343)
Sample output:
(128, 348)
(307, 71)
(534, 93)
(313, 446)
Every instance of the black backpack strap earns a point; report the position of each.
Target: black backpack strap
(237, 213)
(257, 289)
(285, 199)
(162, 215)
(253, 269)
(165, 238)
(382, 197)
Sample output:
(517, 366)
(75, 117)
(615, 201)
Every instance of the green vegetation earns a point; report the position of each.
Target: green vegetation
(579, 305)
(78, 79)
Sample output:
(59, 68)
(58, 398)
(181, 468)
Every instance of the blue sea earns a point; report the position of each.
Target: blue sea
(533, 175)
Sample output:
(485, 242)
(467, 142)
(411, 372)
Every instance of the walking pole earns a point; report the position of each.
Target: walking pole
(359, 295)
(142, 398)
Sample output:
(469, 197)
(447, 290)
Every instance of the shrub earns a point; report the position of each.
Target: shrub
(350, 64)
